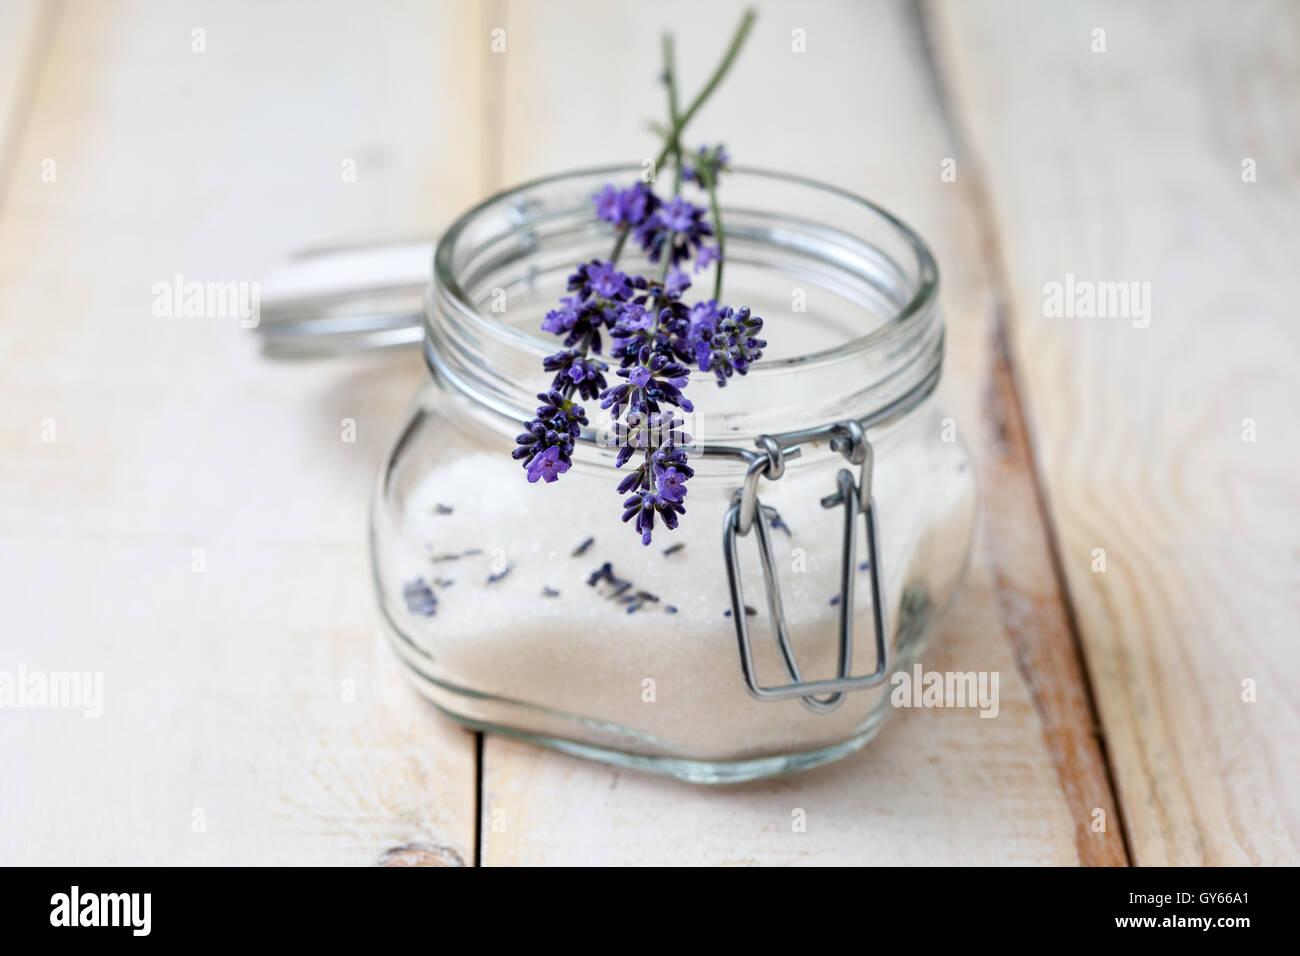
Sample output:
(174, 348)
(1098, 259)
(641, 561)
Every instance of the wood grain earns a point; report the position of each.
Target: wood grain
(1027, 579)
(255, 698)
(859, 109)
(26, 27)
(1127, 165)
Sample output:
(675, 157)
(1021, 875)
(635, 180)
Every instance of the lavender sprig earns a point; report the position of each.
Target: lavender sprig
(653, 334)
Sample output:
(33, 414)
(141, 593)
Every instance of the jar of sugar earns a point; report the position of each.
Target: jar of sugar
(828, 523)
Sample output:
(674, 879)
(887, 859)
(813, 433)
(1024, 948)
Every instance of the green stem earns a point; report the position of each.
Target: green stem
(718, 232)
(667, 264)
(674, 145)
(619, 243)
(677, 122)
(737, 41)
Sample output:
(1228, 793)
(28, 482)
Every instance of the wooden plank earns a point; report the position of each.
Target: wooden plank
(25, 30)
(255, 697)
(1127, 165)
(857, 109)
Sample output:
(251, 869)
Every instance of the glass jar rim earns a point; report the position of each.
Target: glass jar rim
(873, 378)
(924, 295)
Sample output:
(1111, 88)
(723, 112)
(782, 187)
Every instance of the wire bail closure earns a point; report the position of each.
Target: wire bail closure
(747, 512)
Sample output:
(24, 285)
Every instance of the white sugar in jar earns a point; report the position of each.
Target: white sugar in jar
(532, 610)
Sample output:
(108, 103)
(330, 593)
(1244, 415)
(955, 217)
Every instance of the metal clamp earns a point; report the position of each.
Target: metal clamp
(747, 512)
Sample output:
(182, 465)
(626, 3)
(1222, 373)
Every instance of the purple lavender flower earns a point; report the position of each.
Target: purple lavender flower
(680, 219)
(708, 254)
(549, 465)
(676, 283)
(644, 505)
(586, 371)
(708, 163)
(671, 484)
(656, 380)
(655, 338)
(573, 368)
(703, 315)
(633, 318)
(609, 206)
(606, 281)
(599, 293)
(658, 484)
(654, 335)
(627, 207)
(703, 354)
(659, 436)
(601, 279)
(560, 321)
(669, 452)
(420, 598)
(680, 215)
(729, 345)
(635, 203)
(557, 426)
(654, 331)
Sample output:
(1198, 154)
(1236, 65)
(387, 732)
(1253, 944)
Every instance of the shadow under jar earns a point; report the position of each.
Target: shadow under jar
(492, 588)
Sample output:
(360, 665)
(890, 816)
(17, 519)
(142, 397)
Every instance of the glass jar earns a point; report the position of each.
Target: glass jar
(532, 610)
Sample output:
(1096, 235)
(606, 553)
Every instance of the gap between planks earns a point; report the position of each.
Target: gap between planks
(491, 93)
(1049, 653)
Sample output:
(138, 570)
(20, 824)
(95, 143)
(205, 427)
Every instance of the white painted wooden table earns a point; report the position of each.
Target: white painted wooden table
(251, 714)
